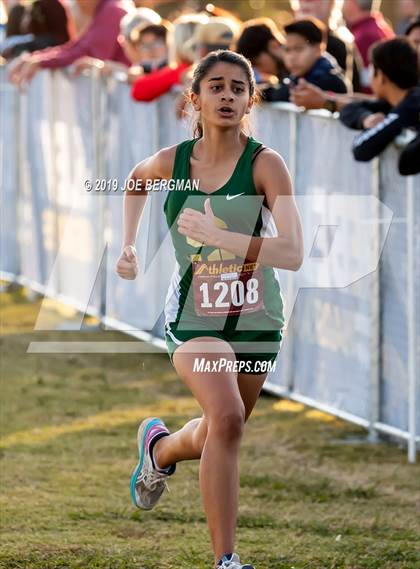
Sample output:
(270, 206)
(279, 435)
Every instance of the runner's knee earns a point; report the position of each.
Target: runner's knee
(228, 424)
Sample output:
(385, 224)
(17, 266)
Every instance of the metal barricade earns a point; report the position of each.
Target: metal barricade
(353, 317)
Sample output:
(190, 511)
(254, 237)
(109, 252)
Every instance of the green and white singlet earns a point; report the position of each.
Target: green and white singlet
(213, 292)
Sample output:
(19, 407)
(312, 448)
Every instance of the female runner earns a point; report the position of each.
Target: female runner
(224, 310)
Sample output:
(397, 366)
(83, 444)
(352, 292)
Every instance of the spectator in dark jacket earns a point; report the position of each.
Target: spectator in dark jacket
(100, 40)
(305, 57)
(394, 82)
(341, 48)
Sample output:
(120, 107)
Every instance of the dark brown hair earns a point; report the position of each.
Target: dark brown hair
(312, 29)
(397, 59)
(208, 62)
(255, 36)
(158, 30)
(49, 17)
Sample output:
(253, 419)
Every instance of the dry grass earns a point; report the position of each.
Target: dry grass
(68, 430)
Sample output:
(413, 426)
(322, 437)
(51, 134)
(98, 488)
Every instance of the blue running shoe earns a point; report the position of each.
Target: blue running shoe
(148, 481)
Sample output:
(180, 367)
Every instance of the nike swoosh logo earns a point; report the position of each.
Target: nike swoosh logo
(228, 197)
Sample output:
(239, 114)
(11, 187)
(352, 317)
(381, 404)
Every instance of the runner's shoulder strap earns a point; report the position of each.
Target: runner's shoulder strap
(257, 151)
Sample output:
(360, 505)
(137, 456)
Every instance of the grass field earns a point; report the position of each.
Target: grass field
(308, 498)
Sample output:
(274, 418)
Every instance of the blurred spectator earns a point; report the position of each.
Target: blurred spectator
(367, 27)
(217, 11)
(321, 9)
(79, 16)
(262, 43)
(143, 38)
(306, 59)
(413, 33)
(181, 56)
(153, 46)
(3, 21)
(407, 10)
(217, 33)
(344, 51)
(183, 30)
(394, 81)
(14, 34)
(99, 41)
(44, 24)
(14, 20)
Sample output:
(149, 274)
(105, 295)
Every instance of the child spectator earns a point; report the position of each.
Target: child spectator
(394, 81)
(159, 82)
(305, 57)
(153, 46)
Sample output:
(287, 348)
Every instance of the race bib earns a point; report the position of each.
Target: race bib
(227, 288)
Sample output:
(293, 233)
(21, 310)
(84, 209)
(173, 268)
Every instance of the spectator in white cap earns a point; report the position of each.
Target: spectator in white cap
(181, 56)
(218, 33)
(137, 18)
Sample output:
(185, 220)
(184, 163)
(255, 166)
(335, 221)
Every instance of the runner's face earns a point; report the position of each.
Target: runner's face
(300, 55)
(224, 95)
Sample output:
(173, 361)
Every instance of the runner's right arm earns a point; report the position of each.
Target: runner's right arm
(156, 167)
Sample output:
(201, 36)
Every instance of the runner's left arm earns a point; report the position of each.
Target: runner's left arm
(284, 251)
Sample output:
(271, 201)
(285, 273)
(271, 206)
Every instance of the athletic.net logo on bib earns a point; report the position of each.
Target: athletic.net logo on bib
(227, 288)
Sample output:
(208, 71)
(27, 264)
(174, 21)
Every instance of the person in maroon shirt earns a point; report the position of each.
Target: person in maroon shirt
(368, 28)
(99, 40)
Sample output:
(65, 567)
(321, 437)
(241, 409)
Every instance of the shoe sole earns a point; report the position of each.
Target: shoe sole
(144, 428)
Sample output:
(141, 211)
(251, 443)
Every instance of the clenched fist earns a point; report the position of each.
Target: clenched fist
(127, 265)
